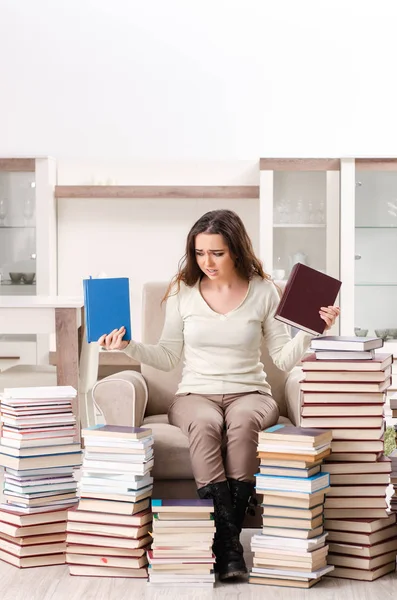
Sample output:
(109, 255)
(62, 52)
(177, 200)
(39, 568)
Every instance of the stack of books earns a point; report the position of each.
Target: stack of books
(291, 550)
(38, 452)
(393, 479)
(393, 455)
(181, 554)
(108, 533)
(363, 549)
(344, 390)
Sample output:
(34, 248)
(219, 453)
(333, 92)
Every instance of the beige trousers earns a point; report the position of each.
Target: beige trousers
(223, 432)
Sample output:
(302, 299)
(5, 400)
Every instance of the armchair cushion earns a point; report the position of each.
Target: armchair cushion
(171, 450)
(293, 395)
(121, 398)
(161, 385)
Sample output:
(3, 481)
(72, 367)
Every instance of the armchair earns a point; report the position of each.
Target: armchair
(140, 399)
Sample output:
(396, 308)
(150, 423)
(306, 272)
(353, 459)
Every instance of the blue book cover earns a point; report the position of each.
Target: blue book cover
(305, 487)
(178, 503)
(107, 306)
(293, 479)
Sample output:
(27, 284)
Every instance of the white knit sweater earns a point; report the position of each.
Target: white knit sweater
(222, 352)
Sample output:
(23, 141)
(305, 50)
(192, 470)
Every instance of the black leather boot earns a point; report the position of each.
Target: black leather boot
(227, 548)
(243, 500)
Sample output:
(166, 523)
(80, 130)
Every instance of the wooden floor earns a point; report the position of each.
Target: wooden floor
(55, 583)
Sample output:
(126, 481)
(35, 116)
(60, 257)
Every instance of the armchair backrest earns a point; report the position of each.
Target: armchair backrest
(162, 385)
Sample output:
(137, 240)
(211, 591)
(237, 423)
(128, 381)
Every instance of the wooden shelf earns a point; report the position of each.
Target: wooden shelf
(228, 192)
(376, 164)
(299, 164)
(18, 164)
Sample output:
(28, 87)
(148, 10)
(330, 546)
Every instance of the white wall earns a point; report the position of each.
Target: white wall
(140, 239)
(101, 83)
(199, 78)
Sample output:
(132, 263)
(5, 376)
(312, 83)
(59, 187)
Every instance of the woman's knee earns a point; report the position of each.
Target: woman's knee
(254, 420)
(205, 426)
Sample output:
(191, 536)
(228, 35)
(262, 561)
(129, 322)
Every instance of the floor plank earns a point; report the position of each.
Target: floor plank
(55, 583)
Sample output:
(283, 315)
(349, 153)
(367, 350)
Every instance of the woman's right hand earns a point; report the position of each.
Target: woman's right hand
(114, 340)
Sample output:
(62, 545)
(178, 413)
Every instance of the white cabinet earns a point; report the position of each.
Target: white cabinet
(16, 349)
(369, 248)
(28, 252)
(338, 216)
(299, 215)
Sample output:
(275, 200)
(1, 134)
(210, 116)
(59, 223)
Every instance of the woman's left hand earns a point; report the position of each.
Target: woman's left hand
(329, 314)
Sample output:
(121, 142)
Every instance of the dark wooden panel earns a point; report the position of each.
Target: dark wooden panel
(67, 347)
(242, 192)
(300, 164)
(376, 164)
(17, 164)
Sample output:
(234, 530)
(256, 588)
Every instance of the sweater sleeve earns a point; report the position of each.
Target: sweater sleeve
(284, 351)
(166, 354)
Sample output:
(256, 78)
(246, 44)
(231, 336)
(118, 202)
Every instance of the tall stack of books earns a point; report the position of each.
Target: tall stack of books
(291, 550)
(38, 452)
(344, 390)
(108, 533)
(181, 554)
(393, 456)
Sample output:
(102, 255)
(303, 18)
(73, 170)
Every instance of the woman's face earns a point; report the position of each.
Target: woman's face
(213, 256)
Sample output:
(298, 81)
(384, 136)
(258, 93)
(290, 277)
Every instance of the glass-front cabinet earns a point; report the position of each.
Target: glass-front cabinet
(18, 228)
(375, 302)
(299, 215)
(369, 248)
(27, 245)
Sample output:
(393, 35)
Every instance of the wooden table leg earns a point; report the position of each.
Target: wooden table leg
(67, 347)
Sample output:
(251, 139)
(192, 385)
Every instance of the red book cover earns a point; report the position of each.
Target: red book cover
(306, 291)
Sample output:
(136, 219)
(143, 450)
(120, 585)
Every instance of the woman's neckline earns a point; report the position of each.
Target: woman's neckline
(198, 285)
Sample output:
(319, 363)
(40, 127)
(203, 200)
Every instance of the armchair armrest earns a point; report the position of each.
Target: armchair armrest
(122, 398)
(293, 395)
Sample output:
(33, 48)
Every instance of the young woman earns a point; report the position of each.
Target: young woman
(220, 308)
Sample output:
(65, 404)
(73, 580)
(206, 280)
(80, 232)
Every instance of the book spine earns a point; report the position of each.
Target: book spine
(286, 289)
(86, 308)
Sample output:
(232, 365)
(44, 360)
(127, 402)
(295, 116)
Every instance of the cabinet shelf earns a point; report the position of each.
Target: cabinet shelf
(17, 227)
(21, 337)
(376, 226)
(8, 283)
(382, 284)
(300, 225)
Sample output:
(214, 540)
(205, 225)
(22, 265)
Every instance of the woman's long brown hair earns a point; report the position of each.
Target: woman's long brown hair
(229, 225)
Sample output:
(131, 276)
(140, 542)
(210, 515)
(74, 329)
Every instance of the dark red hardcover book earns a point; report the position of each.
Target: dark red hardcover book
(306, 291)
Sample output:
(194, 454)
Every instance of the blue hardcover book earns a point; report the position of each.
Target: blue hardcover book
(313, 478)
(107, 306)
(310, 485)
(178, 504)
